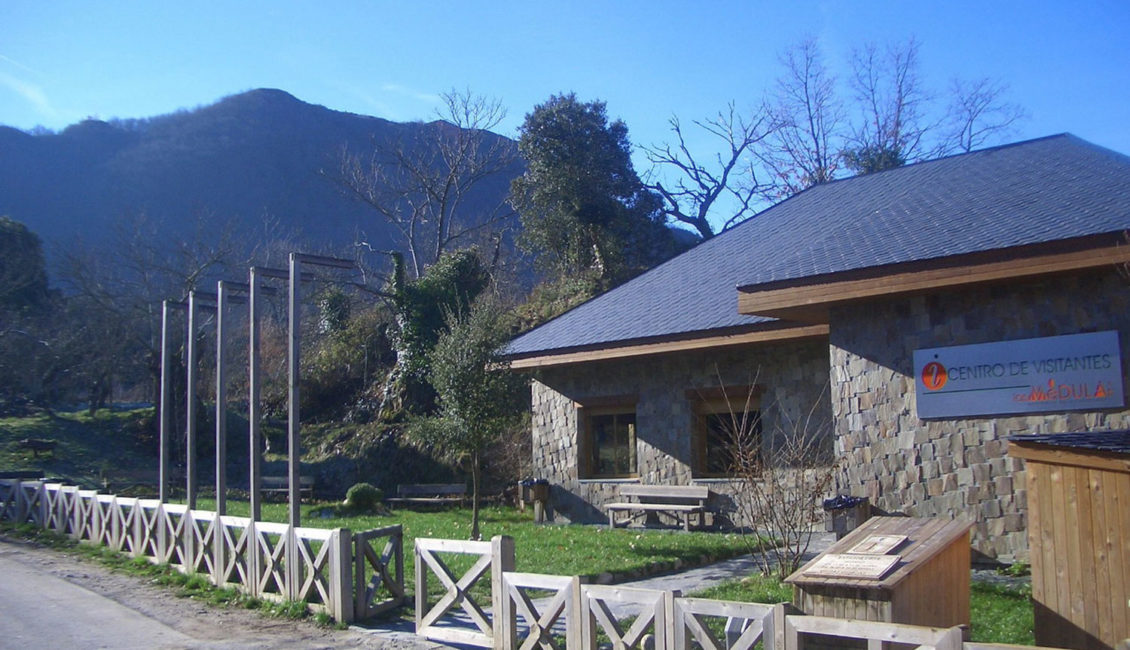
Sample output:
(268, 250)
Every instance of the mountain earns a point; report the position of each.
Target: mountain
(256, 158)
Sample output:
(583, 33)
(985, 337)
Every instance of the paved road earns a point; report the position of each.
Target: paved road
(45, 611)
(49, 599)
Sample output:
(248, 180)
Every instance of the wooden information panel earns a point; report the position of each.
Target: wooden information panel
(863, 567)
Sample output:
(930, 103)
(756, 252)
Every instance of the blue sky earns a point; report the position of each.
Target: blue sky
(1067, 63)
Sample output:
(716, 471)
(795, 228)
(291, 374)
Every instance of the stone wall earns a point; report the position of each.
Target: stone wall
(794, 376)
(956, 467)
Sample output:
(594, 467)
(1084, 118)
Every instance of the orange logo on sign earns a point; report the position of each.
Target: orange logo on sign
(934, 375)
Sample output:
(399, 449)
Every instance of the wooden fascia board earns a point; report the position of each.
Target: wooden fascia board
(1051, 455)
(797, 302)
(643, 349)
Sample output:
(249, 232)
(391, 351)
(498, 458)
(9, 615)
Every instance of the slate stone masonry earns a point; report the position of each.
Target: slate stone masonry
(949, 468)
(794, 376)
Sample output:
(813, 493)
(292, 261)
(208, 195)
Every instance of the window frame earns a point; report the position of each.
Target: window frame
(706, 402)
(602, 406)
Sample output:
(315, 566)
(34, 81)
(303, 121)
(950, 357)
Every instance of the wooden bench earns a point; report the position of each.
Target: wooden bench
(680, 501)
(279, 486)
(429, 494)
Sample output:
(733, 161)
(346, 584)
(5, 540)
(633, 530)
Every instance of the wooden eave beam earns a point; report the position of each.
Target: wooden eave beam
(788, 333)
(1078, 457)
(810, 302)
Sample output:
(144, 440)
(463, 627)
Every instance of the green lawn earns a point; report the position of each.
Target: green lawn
(552, 549)
(116, 447)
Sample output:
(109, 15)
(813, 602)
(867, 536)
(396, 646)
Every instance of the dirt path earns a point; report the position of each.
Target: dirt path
(55, 599)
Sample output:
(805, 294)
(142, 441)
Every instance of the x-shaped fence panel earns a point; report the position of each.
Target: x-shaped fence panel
(202, 535)
(651, 608)
(31, 503)
(385, 589)
(236, 537)
(104, 524)
(84, 506)
(59, 504)
(174, 519)
(559, 611)
(272, 540)
(743, 627)
(125, 517)
(314, 568)
(9, 498)
(432, 622)
(147, 529)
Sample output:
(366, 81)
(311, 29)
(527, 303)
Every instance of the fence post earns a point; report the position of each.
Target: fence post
(359, 604)
(293, 564)
(187, 542)
(574, 636)
(502, 560)
(254, 559)
(219, 549)
(421, 585)
(341, 585)
(505, 620)
(41, 491)
(668, 624)
(136, 548)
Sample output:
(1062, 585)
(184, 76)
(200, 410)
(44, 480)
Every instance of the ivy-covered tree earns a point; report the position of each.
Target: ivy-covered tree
(584, 209)
(419, 306)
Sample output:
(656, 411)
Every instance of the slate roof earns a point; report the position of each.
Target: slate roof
(1039, 191)
(1109, 441)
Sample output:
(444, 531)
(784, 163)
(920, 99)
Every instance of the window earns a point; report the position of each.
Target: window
(727, 431)
(608, 442)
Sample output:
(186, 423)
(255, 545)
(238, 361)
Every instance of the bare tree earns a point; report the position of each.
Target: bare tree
(424, 182)
(694, 197)
(894, 108)
(978, 115)
(118, 297)
(804, 147)
(779, 483)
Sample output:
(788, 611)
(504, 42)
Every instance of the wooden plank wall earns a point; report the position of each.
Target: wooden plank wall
(1079, 538)
(937, 593)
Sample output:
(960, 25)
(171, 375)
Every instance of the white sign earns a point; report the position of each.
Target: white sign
(1055, 373)
(860, 567)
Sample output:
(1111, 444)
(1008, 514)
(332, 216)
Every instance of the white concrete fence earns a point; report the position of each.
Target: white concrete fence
(326, 569)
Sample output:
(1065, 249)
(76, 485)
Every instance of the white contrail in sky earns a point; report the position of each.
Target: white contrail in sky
(31, 93)
(19, 65)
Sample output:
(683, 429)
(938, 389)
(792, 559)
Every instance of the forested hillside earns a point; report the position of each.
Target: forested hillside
(258, 164)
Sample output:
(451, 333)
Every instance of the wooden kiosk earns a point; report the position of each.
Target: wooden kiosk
(892, 570)
(1078, 535)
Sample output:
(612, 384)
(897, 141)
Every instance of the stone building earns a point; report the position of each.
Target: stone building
(915, 317)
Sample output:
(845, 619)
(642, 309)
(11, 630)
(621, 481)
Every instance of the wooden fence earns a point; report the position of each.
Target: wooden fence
(326, 569)
(329, 569)
(533, 611)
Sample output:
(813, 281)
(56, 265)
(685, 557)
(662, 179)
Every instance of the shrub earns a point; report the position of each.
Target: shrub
(364, 497)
